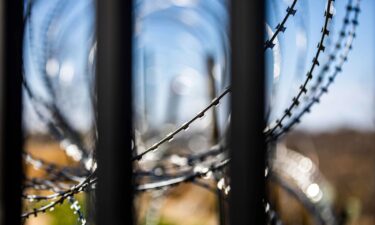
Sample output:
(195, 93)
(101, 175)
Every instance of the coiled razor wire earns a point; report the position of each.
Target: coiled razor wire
(269, 131)
(321, 90)
(66, 182)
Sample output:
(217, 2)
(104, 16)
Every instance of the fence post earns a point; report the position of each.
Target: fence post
(114, 85)
(247, 140)
(11, 139)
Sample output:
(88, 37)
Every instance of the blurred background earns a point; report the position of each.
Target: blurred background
(181, 62)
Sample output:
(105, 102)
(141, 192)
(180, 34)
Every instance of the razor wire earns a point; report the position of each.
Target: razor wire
(56, 122)
(303, 88)
(66, 182)
(319, 91)
(287, 113)
(279, 28)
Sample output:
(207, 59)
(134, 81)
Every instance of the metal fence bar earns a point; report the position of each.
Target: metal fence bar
(115, 190)
(11, 139)
(247, 140)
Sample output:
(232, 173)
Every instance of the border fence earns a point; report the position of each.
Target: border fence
(117, 180)
(114, 30)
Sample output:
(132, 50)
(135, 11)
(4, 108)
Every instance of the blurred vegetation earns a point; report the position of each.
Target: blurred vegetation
(64, 215)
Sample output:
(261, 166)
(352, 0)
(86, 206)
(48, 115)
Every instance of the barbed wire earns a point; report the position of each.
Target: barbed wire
(336, 49)
(172, 182)
(185, 178)
(288, 112)
(169, 137)
(57, 198)
(280, 27)
(53, 169)
(43, 184)
(303, 88)
(70, 146)
(75, 206)
(196, 172)
(65, 183)
(189, 177)
(56, 123)
(297, 175)
(215, 102)
(338, 69)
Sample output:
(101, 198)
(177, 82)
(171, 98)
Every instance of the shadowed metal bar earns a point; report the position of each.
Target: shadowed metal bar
(114, 63)
(247, 140)
(11, 139)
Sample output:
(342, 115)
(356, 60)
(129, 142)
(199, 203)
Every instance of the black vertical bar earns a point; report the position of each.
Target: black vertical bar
(114, 82)
(247, 140)
(11, 141)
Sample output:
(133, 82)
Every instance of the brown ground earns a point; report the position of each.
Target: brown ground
(346, 158)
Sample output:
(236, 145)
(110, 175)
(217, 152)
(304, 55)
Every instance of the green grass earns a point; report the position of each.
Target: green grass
(64, 215)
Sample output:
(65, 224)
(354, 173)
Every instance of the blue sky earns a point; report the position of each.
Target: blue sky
(172, 41)
(350, 101)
